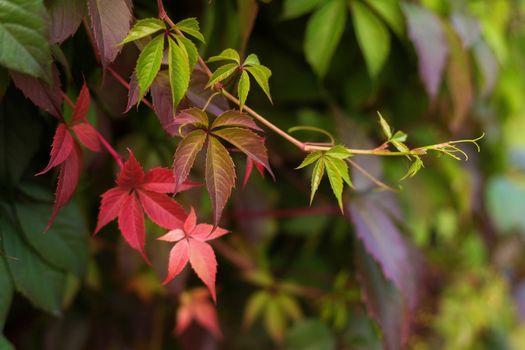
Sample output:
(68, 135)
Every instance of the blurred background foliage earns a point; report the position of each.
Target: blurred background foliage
(437, 265)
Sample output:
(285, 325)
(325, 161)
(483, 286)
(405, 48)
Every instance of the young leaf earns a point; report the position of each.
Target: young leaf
(220, 176)
(192, 116)
(24, 46)
(336, 181)
(372, 36)
(110, 20)
(226, 55)
(81, 106)
(190, 26)
(143, 28)
(148, 63)
(243, 88)
(60, 149)
(339, 152)
(185, 155)
(399, 136)
(88, 136)
(251, 60)
(390, 11)
(342, 168)
(317, 176)
(234, 118)
(222, 73)
(323, 32)
(247, 142)
(191, 50)
(384, 125)
(414, 168)
(179, 71)
(196, 306)
(310, 158)
(254, 307)
(261, 74)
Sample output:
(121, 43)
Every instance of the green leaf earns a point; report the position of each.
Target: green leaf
(179, 71)
(5, 344)
(274, 320)
(35, 279)
(226, 55)
(414, 168)
(317, 176)
(251, 60)
(243, 88)
(384, 125)
(220, 176)
(336, 181)
(222, 73)
(390, 11)
(65, 245)
(342, 167)
(6, 291)
(339, 152)
(323, 32)
(148, 64)
(310, 158)
(23, 38)
(400, 146)
(191, 50)
(255, 305)
(310, 334)
(290, 306)
(372, 36)
(399, 136)
(143, 28)
(297, 8)
(261, 74)
(190, 26)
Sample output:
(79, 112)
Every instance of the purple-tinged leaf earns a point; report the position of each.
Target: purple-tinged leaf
(133, 92)
(425, 30)
(185, 155)
(235, 118)
(47, 97)
(198, 95)
(162, 102)
(468, 29)
(488, 65)
(110, 20)
(65, 18)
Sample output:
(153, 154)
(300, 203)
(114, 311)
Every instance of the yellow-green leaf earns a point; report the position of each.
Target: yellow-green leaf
(384, 125)
(143, 28)
(261, 74)
(243, 88)
(339, 152)
(274, 320)
(252, 59)
(222, 73)
(191, 50)
(255, 305)
(317, 176)
(310, 158)
(190, 26)
(226, 55)
(148, 64)
(336, 181)
(179, 71)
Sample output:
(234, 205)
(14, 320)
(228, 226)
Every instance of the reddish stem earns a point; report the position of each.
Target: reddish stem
(124, 83)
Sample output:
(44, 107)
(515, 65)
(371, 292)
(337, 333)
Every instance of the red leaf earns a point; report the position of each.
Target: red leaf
(203, 262)
(161, 180)
(185, 155)
(110, 20)
(206, 316)
(110, 206)
(249, 169)
(47, 97)
(61, 148)
(191, 117)
(191, 222)
(195, 305)
(131, 174)
(88, 136)
(131, 224)
(67, 181)
(65, 18)
(173, 235)
(162, 209)
(206, 232)
(234, 118)
(82, 105)
(220, 176)
(179, 256)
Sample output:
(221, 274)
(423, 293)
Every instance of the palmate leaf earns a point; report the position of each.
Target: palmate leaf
(243, 89)
(297, 8)
(220, 176)
(261, 74)
(190, 26)
(222, 73)
(179, 71)
(191, 50)
(148, 64)
(65, 18)
(226, 55)
(143, 28)
(317, 176)
(186, 153)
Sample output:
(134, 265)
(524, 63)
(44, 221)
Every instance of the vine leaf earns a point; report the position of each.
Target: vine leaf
(226, 55)
(190, 26)
(372, 35)
(148, 64)
(137, 192)
(110, 20)
(190, 245)
(261, 74)
(333, 162)
(196, 306)
(222, 73)
(143, 28)
(233, 127)
(179, 71)
(297, 8)
(323, 33)
(65, 18)
(243, 88)
(249, 168)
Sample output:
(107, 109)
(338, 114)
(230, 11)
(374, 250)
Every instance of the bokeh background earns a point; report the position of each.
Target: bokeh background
(438, 264)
